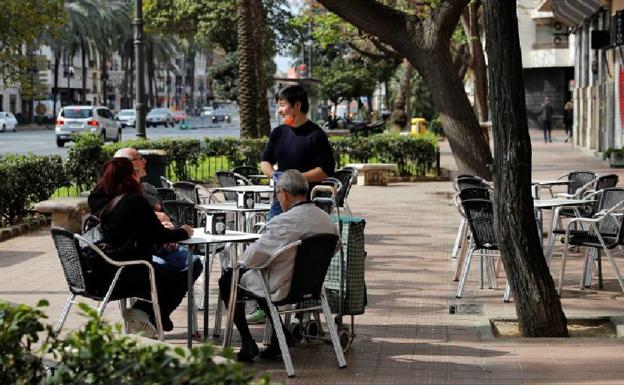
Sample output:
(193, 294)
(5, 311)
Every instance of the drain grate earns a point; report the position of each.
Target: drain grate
(467, 308)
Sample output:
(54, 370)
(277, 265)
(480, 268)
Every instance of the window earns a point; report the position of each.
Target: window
(76, 113)
(102, 113)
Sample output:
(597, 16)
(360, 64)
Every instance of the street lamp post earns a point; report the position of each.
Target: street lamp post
(138, 56)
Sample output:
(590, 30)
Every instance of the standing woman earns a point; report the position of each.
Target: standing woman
(568, 119)
(298, 143)
(134, 231)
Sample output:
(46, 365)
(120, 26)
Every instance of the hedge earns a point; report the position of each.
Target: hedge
(27, 179)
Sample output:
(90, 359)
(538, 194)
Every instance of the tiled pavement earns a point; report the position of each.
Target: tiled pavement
(407, 335)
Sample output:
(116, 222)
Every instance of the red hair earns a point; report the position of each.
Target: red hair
(118, 178)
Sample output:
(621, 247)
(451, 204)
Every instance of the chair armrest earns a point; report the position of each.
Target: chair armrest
(278, 253)
(565, 195)
(108, 259)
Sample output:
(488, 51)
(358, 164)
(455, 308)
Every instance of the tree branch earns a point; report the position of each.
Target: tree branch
(366, 14)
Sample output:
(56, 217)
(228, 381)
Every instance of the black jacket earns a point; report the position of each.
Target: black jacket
(133, 226)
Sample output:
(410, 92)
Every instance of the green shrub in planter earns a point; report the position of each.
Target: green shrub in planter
(97, 354)
(27, 179)
(86, 159)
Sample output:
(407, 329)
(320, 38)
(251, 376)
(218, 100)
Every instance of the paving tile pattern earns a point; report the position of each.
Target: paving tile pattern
(407, 335)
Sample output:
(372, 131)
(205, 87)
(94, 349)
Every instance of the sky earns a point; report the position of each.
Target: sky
(283, 62)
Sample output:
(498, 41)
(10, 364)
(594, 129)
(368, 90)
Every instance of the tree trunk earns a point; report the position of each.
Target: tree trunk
(470, 150)
(247, 95)
(263, 120)
(399, 117)
(537, 304)
(424, 42)
(478, 62)
(104, 78)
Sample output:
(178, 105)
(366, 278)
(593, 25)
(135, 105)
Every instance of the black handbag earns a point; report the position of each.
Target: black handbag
(95, 233)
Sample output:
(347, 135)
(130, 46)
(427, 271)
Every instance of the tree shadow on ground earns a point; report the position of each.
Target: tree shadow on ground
(10, 258)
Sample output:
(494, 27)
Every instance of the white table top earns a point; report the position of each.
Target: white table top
(551, 182)
(199, 237)
(253, 188)
(547, 203)
(233, 207)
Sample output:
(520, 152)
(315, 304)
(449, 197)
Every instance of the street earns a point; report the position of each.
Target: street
(42, 142)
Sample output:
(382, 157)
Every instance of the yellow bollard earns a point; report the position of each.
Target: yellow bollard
(418, 126)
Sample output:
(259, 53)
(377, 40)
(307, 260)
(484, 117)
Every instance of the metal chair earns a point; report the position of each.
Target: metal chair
(166, 194)
(462, 233)
(347, 177)
(578, 180)
(166, 183)
(312, 258)
(460, 183)
(231, 179)
(181, 212)
(480, 216)
(605, 233)
(187, 191)
(246, 171)
(80, 280)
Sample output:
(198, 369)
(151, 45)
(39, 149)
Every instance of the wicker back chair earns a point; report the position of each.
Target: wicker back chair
(181, 212)
(166, 194)
(231, 179)
(579, 179)
(186, 191)
(246, 171)
(480, 217)
(604, 233)
(71, 250)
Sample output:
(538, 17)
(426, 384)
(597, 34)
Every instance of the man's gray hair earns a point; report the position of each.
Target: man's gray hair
(293, 182)
(124, 153)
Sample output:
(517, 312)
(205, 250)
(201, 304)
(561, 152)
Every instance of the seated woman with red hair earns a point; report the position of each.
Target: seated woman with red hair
(132, 227)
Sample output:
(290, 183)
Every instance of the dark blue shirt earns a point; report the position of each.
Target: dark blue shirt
(302, 148)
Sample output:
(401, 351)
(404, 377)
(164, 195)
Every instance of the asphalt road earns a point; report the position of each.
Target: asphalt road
(43, 142)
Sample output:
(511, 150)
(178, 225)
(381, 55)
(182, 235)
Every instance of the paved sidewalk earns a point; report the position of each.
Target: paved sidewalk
(407, 335)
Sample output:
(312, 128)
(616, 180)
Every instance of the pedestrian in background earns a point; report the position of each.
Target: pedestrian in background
(568, 118)
(546, 113)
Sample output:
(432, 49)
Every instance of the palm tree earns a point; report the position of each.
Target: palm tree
(247, 98)
(262, 108)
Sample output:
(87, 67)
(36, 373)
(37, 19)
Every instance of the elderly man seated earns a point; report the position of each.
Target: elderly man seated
(300, 219)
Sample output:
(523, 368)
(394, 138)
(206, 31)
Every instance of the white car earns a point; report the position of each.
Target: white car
(7, 121)
(126, 118)
(75, 119)
(159, 116)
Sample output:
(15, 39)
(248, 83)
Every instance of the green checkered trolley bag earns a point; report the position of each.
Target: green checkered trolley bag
(344, 282)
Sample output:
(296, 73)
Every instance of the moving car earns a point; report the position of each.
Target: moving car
(7, 121)
(75, 119)
(159, 117)
(179, 116)
(216, 115)
(126, 118)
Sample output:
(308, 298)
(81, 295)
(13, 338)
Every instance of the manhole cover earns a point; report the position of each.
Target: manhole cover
(467, 308)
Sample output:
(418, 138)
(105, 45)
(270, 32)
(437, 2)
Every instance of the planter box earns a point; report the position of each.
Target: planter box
(616, 159)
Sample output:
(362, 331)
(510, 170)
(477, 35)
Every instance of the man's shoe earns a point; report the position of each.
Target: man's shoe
(138, 322)
(257, 317)
(248, 352)
(271, 352)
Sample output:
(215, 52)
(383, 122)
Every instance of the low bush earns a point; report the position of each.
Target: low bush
(27, 179)
(97, 354)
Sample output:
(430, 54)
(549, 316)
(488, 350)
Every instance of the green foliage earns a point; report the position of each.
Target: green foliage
(88, 155)
(27, 179)
(225, 77)
(402, 150)
(408, 152)
(20, 330)
(22, 24)
(86, 159)
(96, 354)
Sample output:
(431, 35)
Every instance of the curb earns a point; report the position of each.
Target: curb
(23, 228)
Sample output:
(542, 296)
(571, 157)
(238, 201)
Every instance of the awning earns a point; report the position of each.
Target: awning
(574, 12)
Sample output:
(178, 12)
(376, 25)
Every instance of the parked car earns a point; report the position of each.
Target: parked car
(159, 117)
(126, 118)
(74, 119)
(8, 122)
(179, 116)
